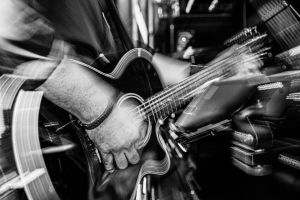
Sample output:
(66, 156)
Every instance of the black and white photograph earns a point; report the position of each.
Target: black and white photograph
(149, 100)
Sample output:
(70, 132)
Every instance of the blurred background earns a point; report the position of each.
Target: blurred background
(239, 140)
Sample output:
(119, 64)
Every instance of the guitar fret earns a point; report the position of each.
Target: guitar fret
(167, 108)
(141, 112)
(170, 100)
(154, 112)
(160, 114)
(151, 110)
(171, 104)
(164, 114)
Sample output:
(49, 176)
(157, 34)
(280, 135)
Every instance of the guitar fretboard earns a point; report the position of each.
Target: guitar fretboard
(173, 98)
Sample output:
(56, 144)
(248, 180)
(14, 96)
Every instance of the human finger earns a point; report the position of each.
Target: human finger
(132, 156)
(108, 161)
(120, 160)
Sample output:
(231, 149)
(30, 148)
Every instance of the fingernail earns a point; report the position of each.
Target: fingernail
(135, 159)
(123, 165)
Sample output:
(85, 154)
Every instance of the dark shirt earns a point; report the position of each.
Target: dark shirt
(92, 27)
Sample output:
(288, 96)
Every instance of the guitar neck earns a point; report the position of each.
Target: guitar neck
(175, 97)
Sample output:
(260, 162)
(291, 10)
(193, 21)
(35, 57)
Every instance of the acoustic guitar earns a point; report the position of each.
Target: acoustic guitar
(41, 142)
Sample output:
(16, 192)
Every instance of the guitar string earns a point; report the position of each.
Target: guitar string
(288, 37)
(262, 9)
(154, 100)
(186, 82)
(203, 75)
(292, 14)
(191, 78)
(196, 80)
(180, 88)
(154, 169)
(138, 119)
(287, 16)
(191, 93)
(175, 104)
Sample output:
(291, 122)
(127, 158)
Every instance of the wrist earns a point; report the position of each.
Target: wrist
(95, 109)
(97, 119)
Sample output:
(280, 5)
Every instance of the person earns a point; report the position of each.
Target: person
(41, 39)
(49, 39)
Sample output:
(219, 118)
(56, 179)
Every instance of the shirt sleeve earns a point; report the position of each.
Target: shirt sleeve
(23, 32)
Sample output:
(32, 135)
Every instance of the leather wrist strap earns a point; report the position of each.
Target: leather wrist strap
(99, 120)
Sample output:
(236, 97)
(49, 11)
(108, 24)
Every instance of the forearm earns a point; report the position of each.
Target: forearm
(78, 91)
(170, 70)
